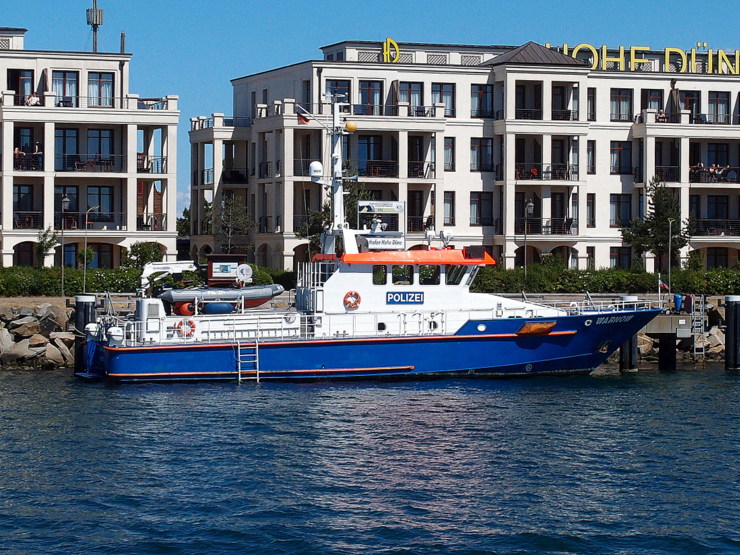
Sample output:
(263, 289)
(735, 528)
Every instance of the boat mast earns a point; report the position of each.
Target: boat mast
(337, 183)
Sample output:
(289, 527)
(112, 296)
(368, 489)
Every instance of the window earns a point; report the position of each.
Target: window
(24, 139)
(253, 100)
(621, 157)
(66, 144)
(429, 274)
(370, 151)
(620, 257)
(652, 99)
(411, 93)
(454, 274)
(444, 93)
(102, 197)
(102, 255)
(481, 101)
(716, 257)
(590, 209)
(695, 205)
(719, 107)
(371, 98)
(590, 258)
(621, 105)
(70, 255)
(717, 207)
(718, 153)
(380, 274)
(23, 255)
(591, 156)
(403, 274)
(338, 87)
(449, 208)
(481, 155)
(481, 208)
(22, 198)
(64, 84)
(100, 89)
(20, 81)
(70, 191)
(449, 154)
(690, 100)
(620, 207)
(591, 104)
(100, 143)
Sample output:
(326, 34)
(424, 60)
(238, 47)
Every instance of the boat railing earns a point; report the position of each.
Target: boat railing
(589, 305)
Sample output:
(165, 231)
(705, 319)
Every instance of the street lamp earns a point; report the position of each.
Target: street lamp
(84, 268)
(528, 211)
(670, 238)
(65, 207)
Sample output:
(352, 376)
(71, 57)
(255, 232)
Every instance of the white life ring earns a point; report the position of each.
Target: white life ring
(185, 328)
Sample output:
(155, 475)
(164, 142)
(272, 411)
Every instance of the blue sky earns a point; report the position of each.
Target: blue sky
(192, 48)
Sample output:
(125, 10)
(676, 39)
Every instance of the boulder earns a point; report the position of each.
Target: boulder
(25, 311)
(34, 352)
(716, 316)
(645, 345)
(65, 337)
(7, 313)
(716, 337)
(60, 315)
(16, 352)
(27, 330)
(21, 321)
(6, 340)
(49, 325)
(52, 354)
(37, 340)
(66, 353)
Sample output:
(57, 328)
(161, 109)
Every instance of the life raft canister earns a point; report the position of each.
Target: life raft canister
(352, 300)
(185, 328)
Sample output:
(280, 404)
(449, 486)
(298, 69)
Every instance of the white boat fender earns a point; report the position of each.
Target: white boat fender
(185, 328)
(352, 300)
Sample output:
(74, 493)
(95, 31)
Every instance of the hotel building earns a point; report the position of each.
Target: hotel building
(526, 150)
(83, 155)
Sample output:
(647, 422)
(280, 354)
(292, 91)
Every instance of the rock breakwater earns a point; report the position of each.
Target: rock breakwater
(33, 337)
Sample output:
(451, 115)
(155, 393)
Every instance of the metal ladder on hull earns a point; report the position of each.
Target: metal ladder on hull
(248, 360)
(698, 314)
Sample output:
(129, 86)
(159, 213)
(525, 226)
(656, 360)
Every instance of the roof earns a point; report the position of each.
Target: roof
(535, 54)
(440, 256)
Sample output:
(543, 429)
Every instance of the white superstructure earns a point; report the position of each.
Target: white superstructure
(515, 149)
(72, 129)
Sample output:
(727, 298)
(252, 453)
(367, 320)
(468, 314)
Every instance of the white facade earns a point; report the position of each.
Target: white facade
(71, 128)
(469, 137)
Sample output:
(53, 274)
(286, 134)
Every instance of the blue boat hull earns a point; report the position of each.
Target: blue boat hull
(576, 344)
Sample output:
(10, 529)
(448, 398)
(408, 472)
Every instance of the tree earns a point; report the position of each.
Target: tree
(650, 234)
(45, 241)
(141, 254)
(313, 227)
(231, 224)
(85, 257)
(183, 223)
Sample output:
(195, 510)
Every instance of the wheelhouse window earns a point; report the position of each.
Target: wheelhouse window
(621, 104)
(481, 208)
(429, 274)
(620, 208)
(481, 154)
(454, 274)
(402, 274)
(444, 93)
(380, 274)
(449, 208)
(100, 89)
(719, 107)
(621, 157)
(65, 86)
(481, 101)
(371, 98)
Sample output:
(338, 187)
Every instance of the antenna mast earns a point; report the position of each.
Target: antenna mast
(95, 19)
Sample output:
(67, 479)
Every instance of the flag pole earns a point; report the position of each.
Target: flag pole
(659, 288)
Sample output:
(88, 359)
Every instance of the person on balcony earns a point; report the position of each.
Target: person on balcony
(33, 100)
(19, 158)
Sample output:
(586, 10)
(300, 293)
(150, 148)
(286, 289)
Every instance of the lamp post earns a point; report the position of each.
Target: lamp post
(65, 207)
(84, 268)
(528, 211)
(670, 239)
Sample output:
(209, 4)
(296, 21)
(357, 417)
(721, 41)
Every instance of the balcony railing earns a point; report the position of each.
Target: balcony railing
(565, 115)
(528, 113)
(715, 227)
(545, 226)
(547, 172)
(423, 170)
(151, 164)
(27, 220)
(206, 176)
(300, 167)
(104, 221)
(265, 224)
(419, 223)
(482, 113)
(668, 173)
(709, 175)
(151, 222)
(100, 163)
(231, 176)
(265, 170)
(28, 162)
(379, 168)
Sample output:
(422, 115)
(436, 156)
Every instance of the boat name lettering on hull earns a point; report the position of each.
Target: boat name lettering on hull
(404, 298)
(613, 319)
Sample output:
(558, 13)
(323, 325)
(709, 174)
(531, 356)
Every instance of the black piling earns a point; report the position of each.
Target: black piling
(667, 352)
(732, 332)
(84, 314)
(628, 355)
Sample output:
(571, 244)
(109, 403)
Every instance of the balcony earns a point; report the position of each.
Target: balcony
(419, 223)
(103, 221)
(300, 167)
(668, 173)
(97, 163)
(528, 113)
(151, 222)
(421, 170)
(50, 100)
(545, 226)
(27, 219)
(233, 176)
(717, 227)
(378, 168)
(265, 224)
(565, 115)
(709, 175)
(546, 172)
(28, 162)
(151, 164)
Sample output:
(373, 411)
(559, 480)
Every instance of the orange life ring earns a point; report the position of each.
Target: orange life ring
(352, 300)
(185, 328)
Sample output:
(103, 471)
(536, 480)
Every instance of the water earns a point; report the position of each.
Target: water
(642, 463)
